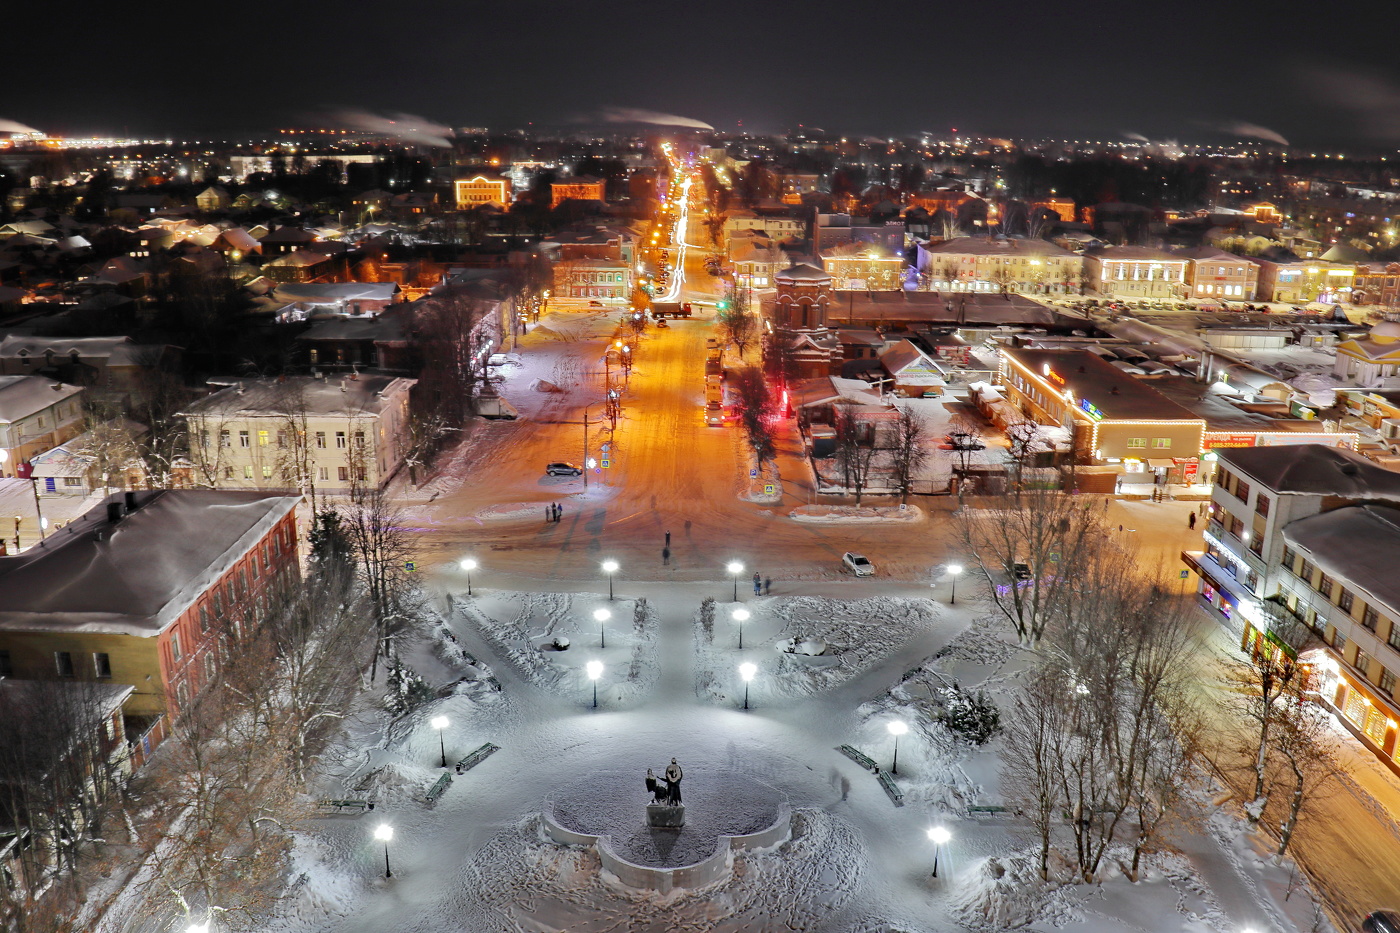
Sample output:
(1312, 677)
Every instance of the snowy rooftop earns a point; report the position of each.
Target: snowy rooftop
(22, 396)
(137, 575)
(1313, 469)
(350, 396)
(1360, 544)
(1117, 394)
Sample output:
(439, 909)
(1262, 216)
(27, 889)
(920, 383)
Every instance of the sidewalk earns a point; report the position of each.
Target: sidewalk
(19, 516)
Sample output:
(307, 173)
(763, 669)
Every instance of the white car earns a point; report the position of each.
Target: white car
(857, 564)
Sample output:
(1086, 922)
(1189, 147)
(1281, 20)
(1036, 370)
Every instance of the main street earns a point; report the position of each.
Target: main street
(666, 470)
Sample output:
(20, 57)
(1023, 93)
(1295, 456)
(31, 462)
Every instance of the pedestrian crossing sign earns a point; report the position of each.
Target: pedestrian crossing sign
(410, 565)
(1185, 574)
(768, 489)
(606, 463)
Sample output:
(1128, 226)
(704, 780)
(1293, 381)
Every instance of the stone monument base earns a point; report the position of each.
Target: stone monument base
(664, 816)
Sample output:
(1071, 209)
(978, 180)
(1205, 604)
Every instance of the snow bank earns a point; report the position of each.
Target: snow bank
(852, 515)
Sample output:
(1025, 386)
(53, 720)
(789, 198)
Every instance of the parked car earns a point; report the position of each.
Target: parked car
(857, 564)
(1381, 921)
(563, 469)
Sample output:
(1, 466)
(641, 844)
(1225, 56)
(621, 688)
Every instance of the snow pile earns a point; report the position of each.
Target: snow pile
(851, 515)
(512, 512)
(543, 385)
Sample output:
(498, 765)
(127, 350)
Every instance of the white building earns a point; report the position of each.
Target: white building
(325, 435)
(36, 414)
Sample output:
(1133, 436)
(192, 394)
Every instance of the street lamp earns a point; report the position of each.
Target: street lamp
(595, 670)
(741, 615)
(897, 728)
(469, 564)
(602, 615)
(939, 836)
(610, 568)
(439, 723)
(953, 571)
(385, 832)
(198, 927)
(735, 568)
(746, 671)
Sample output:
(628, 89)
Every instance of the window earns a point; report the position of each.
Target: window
(263, 438)
(1345, 600)
(1289, 557)
(1137, 442)
(1161, 443)
(101, 664)
(267, 471)
(228, 472)
(343, 474)
(323, 473)
(321, 439)
(72, 480)
(1362, 663)
(359, 438)
(204, 617)
(1394, 639)
(175, 646)
(1370, 617)
(1306, 572)
(1262, 505)
(247, 471)
(1324, 586)
(210, 667)
(1339, 641)
(1387, 682)
(7, 667)
(224, 439)
(1236, 527)
(282, 439)
(63, 663)
(340, 439)
(203, 438)
(1242, 491)
(243, 440)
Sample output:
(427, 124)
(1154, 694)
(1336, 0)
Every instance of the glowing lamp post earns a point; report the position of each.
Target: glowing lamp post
(595, 670)
(439, 723)
(469, 565)
(746, 671)
(939, 836)
(735, 568)
(610, 568)
(198, 927)
(954, 571)
(384, 832)
(602, 615)
(741, 616)
(897, 728)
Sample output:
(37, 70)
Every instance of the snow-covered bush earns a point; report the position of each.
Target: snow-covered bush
(707, 617)
(406, 690)
(971, 716)
(639, 614)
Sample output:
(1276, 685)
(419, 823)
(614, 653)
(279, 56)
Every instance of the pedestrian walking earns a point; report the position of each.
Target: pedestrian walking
(558, 511)
(665, 557)
(767, 585)
(668, 539)
(757, 584)
(549, 513)
(1191, 521)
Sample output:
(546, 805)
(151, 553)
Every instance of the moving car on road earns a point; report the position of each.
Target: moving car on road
(857, 564)
(563, 469)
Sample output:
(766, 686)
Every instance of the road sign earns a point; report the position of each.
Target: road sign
(1185, 574)
(607, 447)
(410, 565)
(753, 473)
(1055, 556)
(769, 489)
(606, 463)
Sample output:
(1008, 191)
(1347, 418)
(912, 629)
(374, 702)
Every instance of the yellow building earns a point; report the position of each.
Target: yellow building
(481, 190)
(865, 266)
(582, 188)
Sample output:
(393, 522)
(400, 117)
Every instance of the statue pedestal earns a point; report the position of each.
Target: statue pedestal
(663, 816)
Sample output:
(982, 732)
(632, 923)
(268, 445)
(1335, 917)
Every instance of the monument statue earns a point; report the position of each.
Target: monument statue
(673, 783)
(666, 810)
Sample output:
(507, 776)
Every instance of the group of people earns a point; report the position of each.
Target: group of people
(761, 585)
(553, 512)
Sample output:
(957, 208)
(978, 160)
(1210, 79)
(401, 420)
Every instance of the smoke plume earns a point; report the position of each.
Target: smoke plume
(635, 115)
(1374, 102)
(1136, 137)
(10, 126)
(1254, 131)
(401, 126)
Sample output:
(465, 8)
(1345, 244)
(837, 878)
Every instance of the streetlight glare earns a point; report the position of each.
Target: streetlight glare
(595, 670)
(439, 722)
(198, 927)
(747, 670)
(468, 564)
(741, 615)
(384, 832)
(735, 567)
(955, 569)
(610, 566)
(939, 835)
(898, 727)
(602, 615)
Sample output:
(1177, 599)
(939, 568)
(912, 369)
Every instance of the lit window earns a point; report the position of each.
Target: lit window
(247, 471)
(263, 438)
(1161, 442)
(1137, 442)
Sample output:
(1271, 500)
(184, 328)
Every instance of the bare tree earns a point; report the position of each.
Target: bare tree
(1029, 753)
(910, 452)
(755, 407)
(1262, 684)
(1301, 740)
(379, 540)
(965, 435)
(1022, 437)
(736, 325)
(855, 448)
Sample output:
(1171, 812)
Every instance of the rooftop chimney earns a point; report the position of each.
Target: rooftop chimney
(130, 501)
(115, 511)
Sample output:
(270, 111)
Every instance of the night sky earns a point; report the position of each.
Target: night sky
(1318, 75)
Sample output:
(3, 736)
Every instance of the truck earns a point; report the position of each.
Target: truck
(490, 405)
(672, 309)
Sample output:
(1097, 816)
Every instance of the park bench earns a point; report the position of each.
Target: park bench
(438, 789)
(981, 810)
(474, 758)
(887, 782)
(859, 757)
(329, 803)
